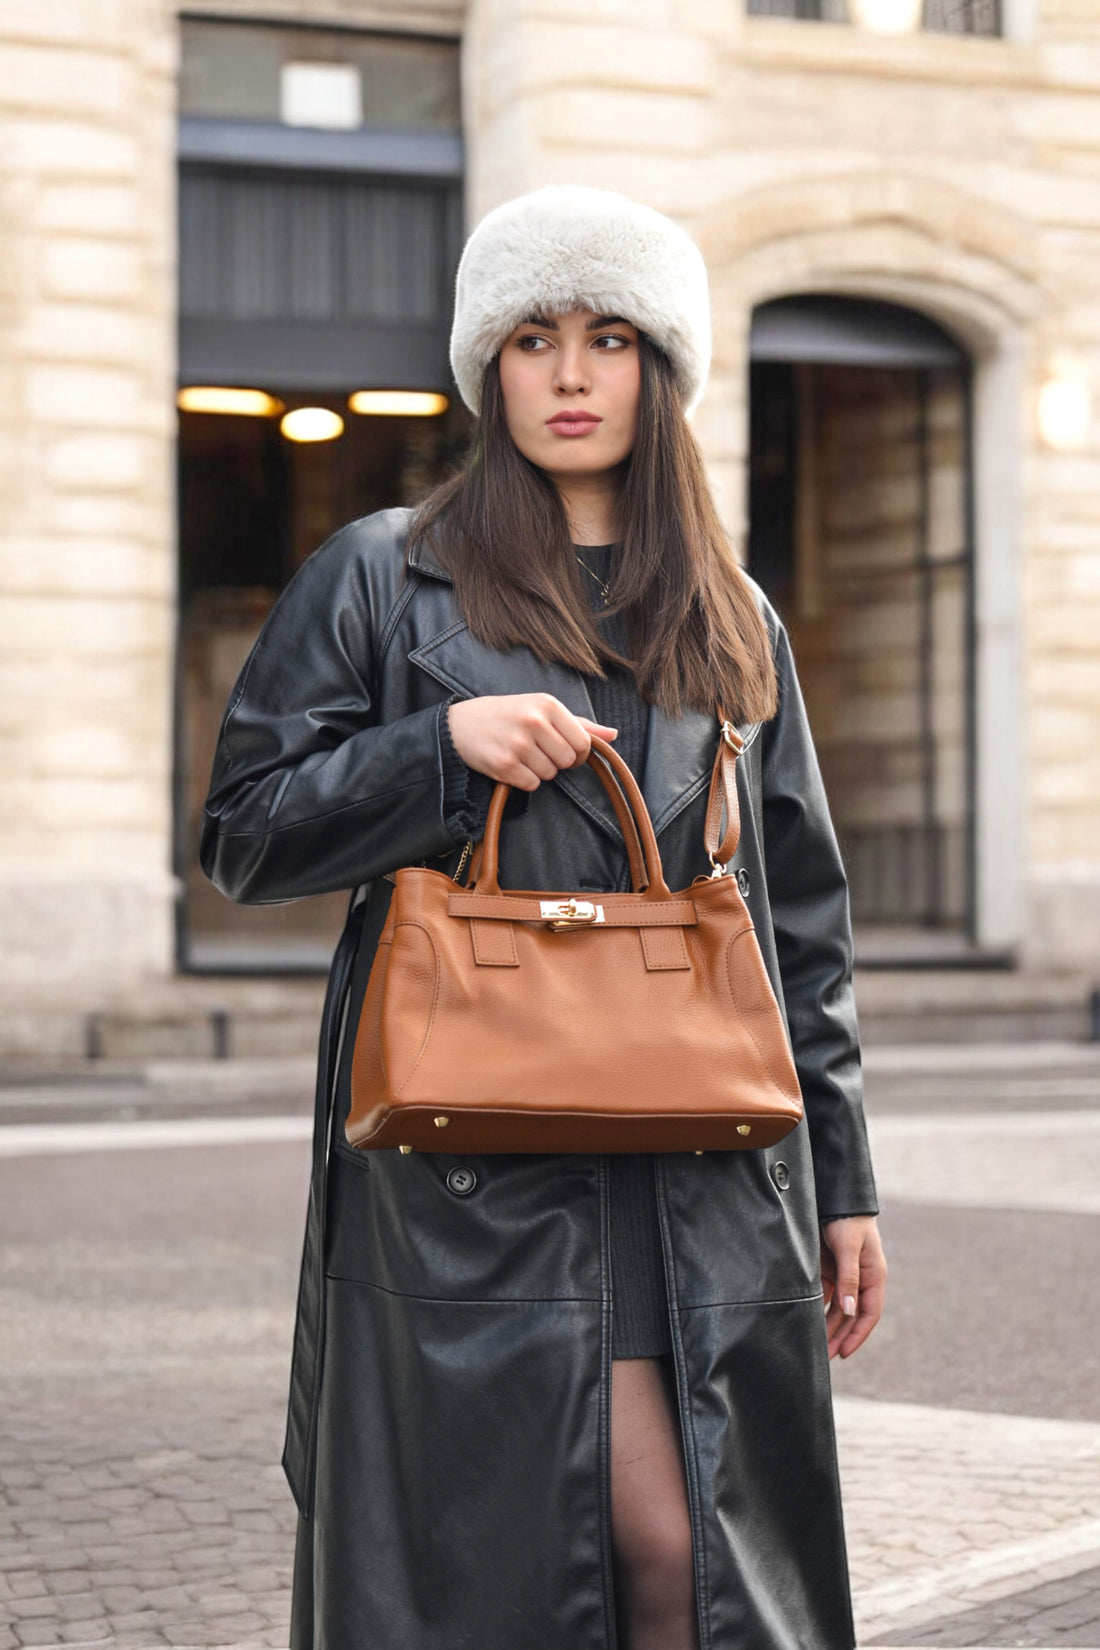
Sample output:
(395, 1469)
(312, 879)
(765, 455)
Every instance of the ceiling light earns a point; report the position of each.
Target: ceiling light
(217, 398)
(321, 94)
(312, 424)
(399, 403)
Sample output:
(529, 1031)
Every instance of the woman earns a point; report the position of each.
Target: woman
(489, 1445)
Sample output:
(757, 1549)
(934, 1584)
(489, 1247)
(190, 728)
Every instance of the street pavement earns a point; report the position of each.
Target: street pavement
(146, 1297)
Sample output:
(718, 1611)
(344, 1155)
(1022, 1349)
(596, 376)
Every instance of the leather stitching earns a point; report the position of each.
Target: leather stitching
(732, 941)
(469, 1300)
(509, 959)
(435, 1002)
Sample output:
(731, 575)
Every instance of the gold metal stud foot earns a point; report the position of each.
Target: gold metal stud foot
(698, 1154)
(744, 1128)
(441, 1122)
(405, 1150)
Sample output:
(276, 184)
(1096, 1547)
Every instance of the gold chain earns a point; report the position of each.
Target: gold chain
(464, 858)
(599, 581)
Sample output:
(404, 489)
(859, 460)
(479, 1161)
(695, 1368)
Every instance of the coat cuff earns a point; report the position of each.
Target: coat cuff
(466, 792)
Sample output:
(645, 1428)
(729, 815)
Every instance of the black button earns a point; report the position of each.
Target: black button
(781, 1175)
(743, 881)
(461, 1180)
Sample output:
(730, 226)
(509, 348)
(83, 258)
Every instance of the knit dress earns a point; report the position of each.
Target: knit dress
(640, 1300)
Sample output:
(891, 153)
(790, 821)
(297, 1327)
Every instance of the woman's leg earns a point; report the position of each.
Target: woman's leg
(650, 1528)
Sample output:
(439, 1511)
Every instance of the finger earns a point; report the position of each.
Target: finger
(857, 1334)
(598, 727)
(843, 1311)
(852, 1334)
(846, 1285)
(556, 747)
(872, 1299)
(828, 1274)
(577, 731)
(837, 1324)
(522, 777)
(522, 764)
(537, 762)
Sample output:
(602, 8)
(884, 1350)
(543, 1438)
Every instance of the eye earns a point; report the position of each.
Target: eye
(615, 338)
(529, 339)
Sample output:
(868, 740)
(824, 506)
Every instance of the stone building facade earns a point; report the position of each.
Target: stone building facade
(951, 178)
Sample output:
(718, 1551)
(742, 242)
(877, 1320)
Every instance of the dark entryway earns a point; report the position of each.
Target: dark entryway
(860, 531)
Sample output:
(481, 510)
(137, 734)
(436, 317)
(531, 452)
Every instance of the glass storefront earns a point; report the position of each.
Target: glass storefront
(314, 264)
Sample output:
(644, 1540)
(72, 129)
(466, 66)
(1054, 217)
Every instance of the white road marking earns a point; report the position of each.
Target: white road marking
(1011, 1561)
(40, 1139)
(1043, 1160)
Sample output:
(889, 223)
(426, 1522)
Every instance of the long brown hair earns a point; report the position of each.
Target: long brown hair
(499, 528)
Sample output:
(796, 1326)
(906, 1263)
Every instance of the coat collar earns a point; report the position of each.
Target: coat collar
(679, 752)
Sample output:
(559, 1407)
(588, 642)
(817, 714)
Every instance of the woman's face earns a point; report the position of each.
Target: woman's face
(552, 365)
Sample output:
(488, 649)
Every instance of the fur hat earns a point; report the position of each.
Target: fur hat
(567, 247)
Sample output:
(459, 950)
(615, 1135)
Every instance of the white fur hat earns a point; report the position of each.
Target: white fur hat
(567, 247)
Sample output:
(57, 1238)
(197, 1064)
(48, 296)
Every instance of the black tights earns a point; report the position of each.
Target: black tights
(650, 1527)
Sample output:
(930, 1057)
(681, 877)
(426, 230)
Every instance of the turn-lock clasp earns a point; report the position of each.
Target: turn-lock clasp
(570, 913)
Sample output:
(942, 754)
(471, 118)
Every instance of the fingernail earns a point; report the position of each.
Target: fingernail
(848, 1306)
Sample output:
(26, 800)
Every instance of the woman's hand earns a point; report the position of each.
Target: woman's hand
(521, 738)
(853, 1274)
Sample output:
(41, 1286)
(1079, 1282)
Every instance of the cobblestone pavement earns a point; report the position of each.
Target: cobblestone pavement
(1054, 1612)
(147, 1301)
(953, 1511)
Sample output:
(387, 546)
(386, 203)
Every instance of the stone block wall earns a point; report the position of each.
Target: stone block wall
(87, 530)
(86, 563)
(958, 175)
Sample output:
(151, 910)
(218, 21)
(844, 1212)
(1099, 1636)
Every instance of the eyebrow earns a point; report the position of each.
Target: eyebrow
(589, 326)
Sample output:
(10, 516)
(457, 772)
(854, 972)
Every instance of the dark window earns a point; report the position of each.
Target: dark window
(940, 16)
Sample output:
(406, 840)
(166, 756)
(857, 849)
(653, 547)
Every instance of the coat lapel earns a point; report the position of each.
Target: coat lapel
(679, 752)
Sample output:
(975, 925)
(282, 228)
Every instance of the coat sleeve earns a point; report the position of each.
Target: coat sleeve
(808, 895)
(309, 792)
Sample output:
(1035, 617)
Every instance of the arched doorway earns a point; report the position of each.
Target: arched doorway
(861, 531)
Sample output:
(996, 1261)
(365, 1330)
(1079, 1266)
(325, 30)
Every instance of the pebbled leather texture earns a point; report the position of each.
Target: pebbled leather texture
(654, 1028)
(447, 1431)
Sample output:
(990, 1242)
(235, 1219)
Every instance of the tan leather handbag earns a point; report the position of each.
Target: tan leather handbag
(550, 1021)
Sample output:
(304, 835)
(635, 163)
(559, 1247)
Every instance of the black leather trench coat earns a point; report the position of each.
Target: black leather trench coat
(448, 1427)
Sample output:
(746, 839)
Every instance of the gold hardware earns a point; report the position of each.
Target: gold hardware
(404, 1150)
(698, 1154)
(570, 913)
(462, 861)
(744, 1128)
(719, 868)
(732, 738)
(441, 1122)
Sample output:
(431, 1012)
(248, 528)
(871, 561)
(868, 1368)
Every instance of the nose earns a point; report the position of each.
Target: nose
(571, 367)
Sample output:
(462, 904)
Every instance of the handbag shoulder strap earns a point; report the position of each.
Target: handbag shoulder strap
(332, 1025)
(723, 795)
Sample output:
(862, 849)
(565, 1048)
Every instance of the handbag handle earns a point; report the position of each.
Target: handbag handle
(616, 778)
(722, 795)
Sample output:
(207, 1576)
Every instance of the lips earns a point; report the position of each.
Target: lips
(574, 418)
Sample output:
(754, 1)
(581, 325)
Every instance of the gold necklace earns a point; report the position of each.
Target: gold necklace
(599, 581)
